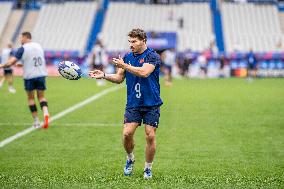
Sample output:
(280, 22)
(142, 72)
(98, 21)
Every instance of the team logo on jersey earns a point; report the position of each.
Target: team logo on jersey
(141, 60)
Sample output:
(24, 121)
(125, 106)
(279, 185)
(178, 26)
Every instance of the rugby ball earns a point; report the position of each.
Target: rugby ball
(69, 70)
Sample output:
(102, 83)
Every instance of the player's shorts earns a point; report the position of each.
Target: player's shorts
(35, 84)
(8, 71)
(251, 66)
(168, 67)
(149, 115)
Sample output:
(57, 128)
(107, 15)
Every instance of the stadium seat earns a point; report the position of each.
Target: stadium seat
(196, 33)
(5, 10)
(251, 26)
(67, 32)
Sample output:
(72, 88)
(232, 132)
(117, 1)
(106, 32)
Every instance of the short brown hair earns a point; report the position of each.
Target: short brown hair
(27, 35)
(138, 33)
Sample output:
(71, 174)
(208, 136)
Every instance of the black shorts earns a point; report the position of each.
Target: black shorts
(8, 71)
(149, 115)
(252, 66)
(35, 84)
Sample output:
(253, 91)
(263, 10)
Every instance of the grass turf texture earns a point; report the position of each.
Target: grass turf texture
(212, 134)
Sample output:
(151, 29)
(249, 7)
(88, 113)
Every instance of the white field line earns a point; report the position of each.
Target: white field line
(90, 124)
(61, 114)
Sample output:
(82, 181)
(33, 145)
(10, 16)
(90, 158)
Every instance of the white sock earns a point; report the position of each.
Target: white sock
(148, 165)
(45, 111)
(36, 119)
(130, 156)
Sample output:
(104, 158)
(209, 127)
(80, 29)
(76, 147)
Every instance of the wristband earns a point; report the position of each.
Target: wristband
(104, 75)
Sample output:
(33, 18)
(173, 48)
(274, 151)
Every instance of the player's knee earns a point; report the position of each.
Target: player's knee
(127, 135)
(150, 137)
(31, 101)
(41, 98)
(31, 96)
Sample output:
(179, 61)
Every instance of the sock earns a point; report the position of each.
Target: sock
(36, 119)
(45, 111)
(148, 165)
(130, 156)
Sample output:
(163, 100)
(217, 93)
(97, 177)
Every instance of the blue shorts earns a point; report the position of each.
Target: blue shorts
(169, 68)
(149, 115)
(35, 84)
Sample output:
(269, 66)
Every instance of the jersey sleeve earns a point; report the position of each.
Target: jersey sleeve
(153, 58)
(19, 53)
(12, 53)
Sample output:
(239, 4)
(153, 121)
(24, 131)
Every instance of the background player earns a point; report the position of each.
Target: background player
(252, 65)
(169, 60)
(32, 56)
(8, 72)
(100, 59)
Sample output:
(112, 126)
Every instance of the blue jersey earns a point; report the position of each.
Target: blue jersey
(251, 59)
(143, 92)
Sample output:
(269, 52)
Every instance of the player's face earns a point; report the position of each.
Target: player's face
(23, 39)
(135, 44)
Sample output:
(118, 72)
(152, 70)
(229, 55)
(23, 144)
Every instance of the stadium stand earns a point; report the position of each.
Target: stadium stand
(5, 10)
(64, 26)
(28, 23)
(11, 26)
(68, 30)
(251, 26)
(281, 18)
(195, 33)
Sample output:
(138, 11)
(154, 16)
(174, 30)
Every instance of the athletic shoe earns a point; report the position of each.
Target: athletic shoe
(45, 125)
(12, 90)
(147, 173)
(128, 169)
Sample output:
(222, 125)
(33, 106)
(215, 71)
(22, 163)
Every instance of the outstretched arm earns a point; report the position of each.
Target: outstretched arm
(118, 77)
(11, 61)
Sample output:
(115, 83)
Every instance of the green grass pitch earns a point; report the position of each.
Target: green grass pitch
(220, 133)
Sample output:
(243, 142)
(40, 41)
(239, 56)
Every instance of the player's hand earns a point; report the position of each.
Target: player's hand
(97, 74)
(118, 62)
(19, 65)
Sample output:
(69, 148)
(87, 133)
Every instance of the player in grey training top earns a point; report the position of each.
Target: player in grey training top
(31, 55)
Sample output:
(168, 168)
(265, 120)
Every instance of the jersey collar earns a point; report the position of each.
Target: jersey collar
(136, 54)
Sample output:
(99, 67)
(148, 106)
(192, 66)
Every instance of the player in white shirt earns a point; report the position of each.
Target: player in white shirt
(31, 55)
(8, 72)
(169, 60)
(100, 59)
